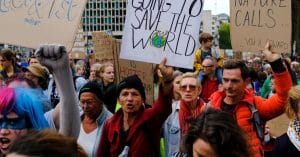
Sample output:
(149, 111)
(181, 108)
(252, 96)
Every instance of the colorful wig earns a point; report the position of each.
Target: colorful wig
(25, 104)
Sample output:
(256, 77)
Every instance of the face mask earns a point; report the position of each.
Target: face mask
(14, 123)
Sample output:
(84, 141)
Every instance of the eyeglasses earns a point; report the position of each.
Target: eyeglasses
(87, 102)
(186, 87)
(207, 66)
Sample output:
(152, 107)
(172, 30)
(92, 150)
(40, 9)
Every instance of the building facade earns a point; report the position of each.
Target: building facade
(211, 24)
(104, 15)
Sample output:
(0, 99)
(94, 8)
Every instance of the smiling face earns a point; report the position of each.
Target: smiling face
(130, 100)
(11, 126)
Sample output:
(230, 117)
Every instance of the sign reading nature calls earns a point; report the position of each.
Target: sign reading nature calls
(30, 23)
(253, 23)
(162, 28)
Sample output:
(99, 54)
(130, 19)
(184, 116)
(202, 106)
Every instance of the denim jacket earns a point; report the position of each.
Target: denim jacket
(171, 130)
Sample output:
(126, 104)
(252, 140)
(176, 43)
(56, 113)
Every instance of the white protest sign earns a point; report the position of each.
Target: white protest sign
(162, 28)
(30, 23)
(255, 22)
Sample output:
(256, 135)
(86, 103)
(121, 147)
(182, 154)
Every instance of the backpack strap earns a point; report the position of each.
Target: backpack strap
(207, 106)
(257, 122)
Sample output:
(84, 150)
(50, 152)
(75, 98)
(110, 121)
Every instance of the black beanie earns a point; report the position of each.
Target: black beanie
(132, 81)
(92, 87)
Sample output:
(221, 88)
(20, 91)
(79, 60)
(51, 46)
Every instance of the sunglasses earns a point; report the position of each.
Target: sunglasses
(186, 87)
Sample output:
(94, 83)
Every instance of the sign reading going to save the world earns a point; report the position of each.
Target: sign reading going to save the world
(162, 28)
(30, 23)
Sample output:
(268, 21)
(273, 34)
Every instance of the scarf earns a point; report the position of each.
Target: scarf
(186, 116)
(293, 133)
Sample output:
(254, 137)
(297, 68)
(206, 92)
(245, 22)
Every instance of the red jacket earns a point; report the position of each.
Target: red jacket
(267, 108)
(144, 135)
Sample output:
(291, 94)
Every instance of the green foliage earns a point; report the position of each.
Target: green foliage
(224, 39)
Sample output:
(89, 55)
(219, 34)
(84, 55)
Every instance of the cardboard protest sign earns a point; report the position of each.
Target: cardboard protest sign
(253, 23)
(157, 29)
(35, 22)
(278, 125)
(126, 68)
(103, 46)
(143, 70)
(79, 51)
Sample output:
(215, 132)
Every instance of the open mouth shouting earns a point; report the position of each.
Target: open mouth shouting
(4, 144)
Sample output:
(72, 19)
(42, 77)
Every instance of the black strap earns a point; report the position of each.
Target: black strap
(207, 106)
(257, 122)
(255, 118)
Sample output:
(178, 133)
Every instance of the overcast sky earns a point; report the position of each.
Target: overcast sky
(217, 6)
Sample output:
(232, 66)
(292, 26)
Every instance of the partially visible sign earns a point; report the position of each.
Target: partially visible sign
(254, 23)
(30, 23)
(157, 29)
(103, 46)
(79, 50)
(278, 125)
(143, 70)
(124, 68)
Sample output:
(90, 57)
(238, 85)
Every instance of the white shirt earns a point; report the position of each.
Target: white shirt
(87, 140)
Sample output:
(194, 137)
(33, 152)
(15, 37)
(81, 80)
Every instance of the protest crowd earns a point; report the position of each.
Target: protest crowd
(220, 108)
(52, 104)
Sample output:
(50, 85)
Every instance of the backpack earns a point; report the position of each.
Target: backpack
(255, 118)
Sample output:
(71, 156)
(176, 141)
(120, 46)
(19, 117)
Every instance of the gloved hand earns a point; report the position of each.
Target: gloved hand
(53, 56)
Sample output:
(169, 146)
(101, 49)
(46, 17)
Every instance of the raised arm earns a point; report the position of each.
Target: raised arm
(166, 78)
(55, 58)
(274, 106)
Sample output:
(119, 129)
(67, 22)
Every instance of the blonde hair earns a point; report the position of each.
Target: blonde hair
(97, 67)
(103, 67)
(191, 75)
(292, 107)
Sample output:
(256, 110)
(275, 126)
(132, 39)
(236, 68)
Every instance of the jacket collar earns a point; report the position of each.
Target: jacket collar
(218, 96)
(103, 116)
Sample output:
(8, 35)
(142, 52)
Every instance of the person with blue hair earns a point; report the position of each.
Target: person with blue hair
(21, 109)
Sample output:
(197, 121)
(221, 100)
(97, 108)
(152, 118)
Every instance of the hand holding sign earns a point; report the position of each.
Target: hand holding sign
(165, 71)
(29, 23)
(166, 29)
(166, 79)
(268, 54)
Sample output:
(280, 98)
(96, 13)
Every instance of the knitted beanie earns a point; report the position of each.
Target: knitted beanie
(132, 81)
(92, 87)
